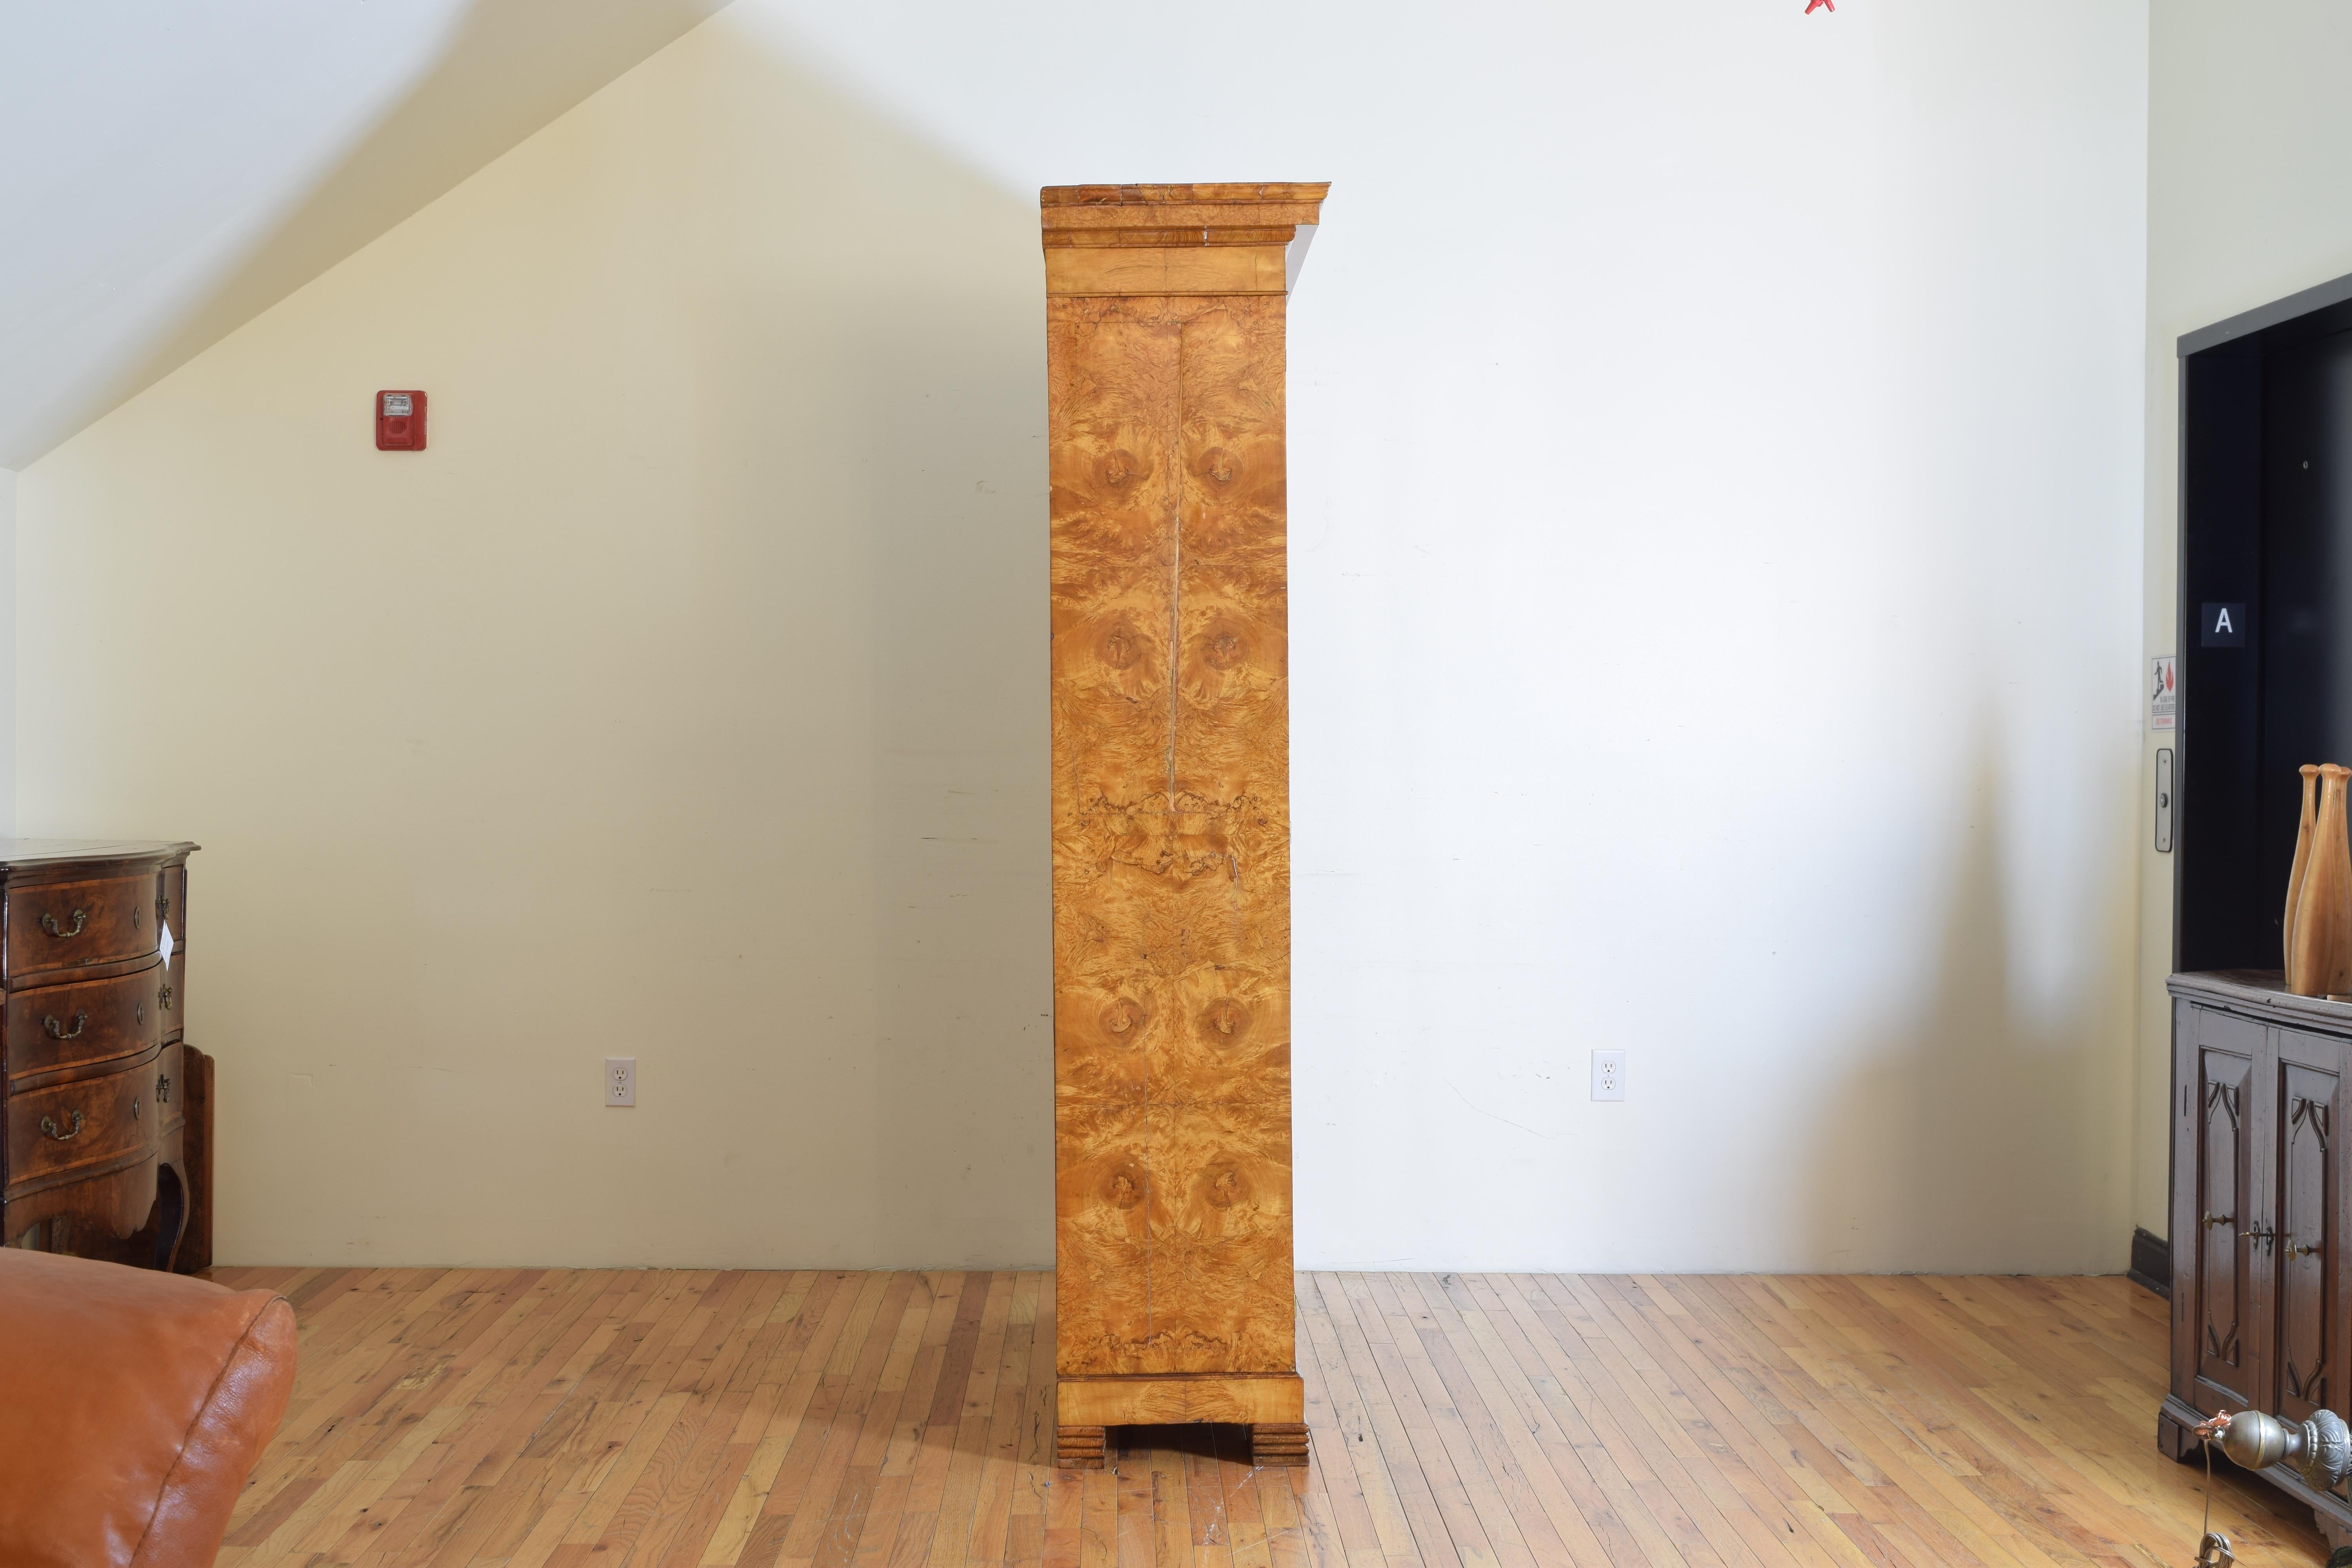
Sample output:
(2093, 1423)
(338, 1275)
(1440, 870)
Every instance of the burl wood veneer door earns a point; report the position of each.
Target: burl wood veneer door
(1173, 1293)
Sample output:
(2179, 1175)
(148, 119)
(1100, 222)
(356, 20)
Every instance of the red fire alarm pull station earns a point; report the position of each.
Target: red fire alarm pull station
(400, 422)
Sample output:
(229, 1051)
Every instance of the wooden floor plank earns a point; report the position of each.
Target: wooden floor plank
(556, 1419)
(1348, 1508)
(1508, 1424)
(1432, 1541)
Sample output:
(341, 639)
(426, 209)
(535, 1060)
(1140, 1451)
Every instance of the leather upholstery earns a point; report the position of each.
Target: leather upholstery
(132, 1405)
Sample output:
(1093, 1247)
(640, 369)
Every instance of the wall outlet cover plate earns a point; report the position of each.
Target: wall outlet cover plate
(1609, 1075)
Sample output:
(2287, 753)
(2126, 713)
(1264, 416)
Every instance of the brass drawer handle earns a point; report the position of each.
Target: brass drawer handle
(163, 1090)
(80, 919)
(2299, 1250)
(59, 1032)
(134, 1108)
(163, 998)
(49, 1126)
(2213, 1219)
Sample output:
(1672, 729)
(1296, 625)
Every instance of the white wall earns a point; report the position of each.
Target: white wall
(2249, 149)
(1716, 534)
(7, 651)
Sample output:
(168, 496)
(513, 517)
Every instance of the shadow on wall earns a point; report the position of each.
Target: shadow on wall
(1971, 1110)
(508, 68)
(685, 702)
(912, 399)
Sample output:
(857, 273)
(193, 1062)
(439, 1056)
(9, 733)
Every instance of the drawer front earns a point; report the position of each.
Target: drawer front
(170, 988)
(171, 903)
(118, 1200)
(96, 1121)
(59, 927)
(171, 1088)
(87, 1021)
(2227, 1031)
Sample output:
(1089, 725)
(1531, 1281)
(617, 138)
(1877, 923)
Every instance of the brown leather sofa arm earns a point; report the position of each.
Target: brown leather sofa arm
(133, 1405)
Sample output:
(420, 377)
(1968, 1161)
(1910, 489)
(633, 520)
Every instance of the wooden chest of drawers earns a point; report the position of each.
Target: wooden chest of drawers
(105, 1109)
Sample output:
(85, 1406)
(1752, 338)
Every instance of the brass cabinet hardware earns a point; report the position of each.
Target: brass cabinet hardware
(134, 1108)
(142, 1011)
(80, 919)
(2303, 1250)
(2214, 1219)
(2262, 1235)
(134, 916)
(164, 1089)
(57, 1031)
(163, 998)
(49, 1126)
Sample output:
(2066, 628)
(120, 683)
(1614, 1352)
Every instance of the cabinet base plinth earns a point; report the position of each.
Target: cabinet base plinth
(1279, 1443)
(1152, 1399)
(1078, 1448)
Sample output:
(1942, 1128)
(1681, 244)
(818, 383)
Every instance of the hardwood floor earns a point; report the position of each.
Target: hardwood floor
(562, 1418)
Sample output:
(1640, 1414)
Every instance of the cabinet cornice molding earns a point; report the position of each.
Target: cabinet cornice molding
(1151, 240)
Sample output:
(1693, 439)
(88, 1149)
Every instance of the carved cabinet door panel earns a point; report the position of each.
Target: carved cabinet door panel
(2311, 1343)
(2228, 1208)
(2299, 1251)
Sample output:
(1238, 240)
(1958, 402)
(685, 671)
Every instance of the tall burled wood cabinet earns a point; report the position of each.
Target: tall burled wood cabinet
(1173, 1292)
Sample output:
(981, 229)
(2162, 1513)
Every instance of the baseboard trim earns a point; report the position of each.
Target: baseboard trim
(2151, 1261)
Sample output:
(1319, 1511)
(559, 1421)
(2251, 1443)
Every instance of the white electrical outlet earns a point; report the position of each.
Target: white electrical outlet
(620, 1080)
(1608, 1075)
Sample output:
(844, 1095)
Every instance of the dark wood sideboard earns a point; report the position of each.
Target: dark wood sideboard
(2261, 1267)
(106, 1140)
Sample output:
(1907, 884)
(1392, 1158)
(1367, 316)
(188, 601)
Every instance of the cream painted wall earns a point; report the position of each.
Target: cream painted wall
(7, 650)
(1716, 497)
(2249, 148)
(679, 701)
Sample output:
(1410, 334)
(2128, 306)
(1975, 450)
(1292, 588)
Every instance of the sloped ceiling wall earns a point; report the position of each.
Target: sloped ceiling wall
(168, 171)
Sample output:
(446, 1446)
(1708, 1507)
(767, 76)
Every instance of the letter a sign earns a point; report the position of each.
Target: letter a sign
(2221, 626)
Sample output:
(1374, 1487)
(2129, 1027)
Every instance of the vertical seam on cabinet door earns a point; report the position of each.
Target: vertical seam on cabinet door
(1175, 570)
(1175, 503)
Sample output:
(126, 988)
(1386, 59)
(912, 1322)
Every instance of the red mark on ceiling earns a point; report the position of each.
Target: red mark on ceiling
(1812, 6)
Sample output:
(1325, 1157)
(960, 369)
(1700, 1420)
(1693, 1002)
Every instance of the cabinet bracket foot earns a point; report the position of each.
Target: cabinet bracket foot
(1078, 1448)
(2173, 1438)
(1280, 1443)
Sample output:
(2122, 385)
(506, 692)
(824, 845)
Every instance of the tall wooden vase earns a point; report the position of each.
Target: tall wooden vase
(2322, 961)
(1172, 1284)
(2310, 772)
